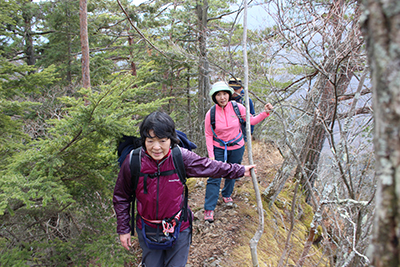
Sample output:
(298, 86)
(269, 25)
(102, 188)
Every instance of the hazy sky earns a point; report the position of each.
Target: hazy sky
(256, 15)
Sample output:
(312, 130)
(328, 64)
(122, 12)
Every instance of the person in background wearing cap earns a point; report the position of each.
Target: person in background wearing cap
(225, 142)
(238, 96)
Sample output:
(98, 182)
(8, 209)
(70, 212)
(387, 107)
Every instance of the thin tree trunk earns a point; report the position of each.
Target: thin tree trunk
(69, 35)
(256, 238)
(84, 43)
(286, 251)
(313, 230)
(29, 49)
(189, 107)
(133, 65)
(204, 83)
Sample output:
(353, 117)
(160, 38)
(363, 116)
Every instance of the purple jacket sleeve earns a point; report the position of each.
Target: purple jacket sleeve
(122, 198)
(197, 166)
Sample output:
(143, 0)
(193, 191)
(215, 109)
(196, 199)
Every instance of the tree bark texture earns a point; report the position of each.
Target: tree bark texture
(29, 48)
(132, 56)
(70, 35)
(204, 83)
(84, 43)
(310, 239)
(189, 107)
(325, 115)
(381, 27)
(260, 229)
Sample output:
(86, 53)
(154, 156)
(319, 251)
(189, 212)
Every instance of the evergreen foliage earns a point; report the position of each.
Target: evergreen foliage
(67, 177)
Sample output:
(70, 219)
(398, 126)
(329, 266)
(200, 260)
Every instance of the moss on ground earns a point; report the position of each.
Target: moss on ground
(271, 246)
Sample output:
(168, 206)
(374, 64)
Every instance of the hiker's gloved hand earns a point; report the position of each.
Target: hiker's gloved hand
(268, 108)
(125, 240)
(247, 169)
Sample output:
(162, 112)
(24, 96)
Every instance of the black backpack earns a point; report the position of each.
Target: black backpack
(135, 166)
(237, 112)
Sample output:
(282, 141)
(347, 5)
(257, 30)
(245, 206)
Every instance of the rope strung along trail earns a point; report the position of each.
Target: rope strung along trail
(260, 210)
(139, 32)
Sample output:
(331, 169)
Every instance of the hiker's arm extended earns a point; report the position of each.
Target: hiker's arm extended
(126, 240)
(197, 166)
(247, 169)
(254, 119)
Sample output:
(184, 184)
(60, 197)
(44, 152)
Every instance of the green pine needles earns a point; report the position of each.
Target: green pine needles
(56, 190)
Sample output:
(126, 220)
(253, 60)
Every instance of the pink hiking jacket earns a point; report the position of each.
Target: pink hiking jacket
(227, 126)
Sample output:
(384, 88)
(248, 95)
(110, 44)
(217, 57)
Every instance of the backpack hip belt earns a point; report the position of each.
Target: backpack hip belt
(167, 224)
(235, 141)
(240, 136)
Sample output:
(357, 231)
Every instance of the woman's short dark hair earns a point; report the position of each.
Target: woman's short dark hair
(162, 125)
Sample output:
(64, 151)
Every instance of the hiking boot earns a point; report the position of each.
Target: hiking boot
(228, 201)
(209, 216)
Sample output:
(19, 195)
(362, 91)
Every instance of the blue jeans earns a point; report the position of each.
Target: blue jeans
(213, 184)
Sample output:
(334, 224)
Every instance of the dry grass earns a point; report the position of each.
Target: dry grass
(276, 220)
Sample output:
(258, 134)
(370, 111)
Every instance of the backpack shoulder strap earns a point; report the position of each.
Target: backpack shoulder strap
(180, 169)
(178, 162)
(242, 122)
(134, 166)
(237, 112)
(212, 117)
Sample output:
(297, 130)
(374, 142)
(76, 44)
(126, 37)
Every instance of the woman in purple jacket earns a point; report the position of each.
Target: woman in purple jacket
(164, 195)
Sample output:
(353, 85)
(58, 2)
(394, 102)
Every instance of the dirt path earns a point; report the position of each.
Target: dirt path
(212, 242)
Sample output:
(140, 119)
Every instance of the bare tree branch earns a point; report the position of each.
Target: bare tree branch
(139, 32)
